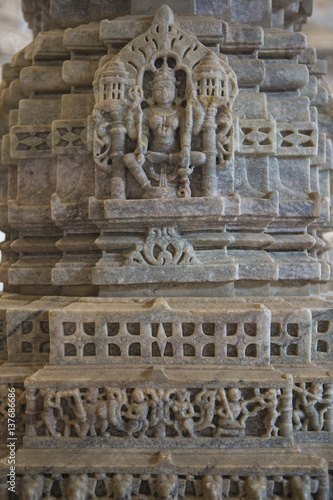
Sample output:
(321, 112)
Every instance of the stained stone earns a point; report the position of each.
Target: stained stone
(166, 199)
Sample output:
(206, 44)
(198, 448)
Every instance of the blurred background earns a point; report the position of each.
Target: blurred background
(15, 34)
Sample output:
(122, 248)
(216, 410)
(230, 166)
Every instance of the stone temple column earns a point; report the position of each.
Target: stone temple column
(166, 320)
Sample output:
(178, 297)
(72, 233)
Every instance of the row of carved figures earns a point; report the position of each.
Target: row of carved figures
(159, 413)
(167, 487)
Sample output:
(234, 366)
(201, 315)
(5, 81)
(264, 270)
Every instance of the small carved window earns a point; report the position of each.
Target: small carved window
(188, 350)
(114, 350)
(275, 329)
(231, 329)
(69, 350)
(26, 347)
(232, 351)
(26, 327)
(292, 329)
(133, 328)
(89, 329)
(209, 350)
(292, 350)
(69, 328)
(113, 329)
(89, 349)
(208, 329)
(134, 349)
(322, 346)
(251, 351)
(250, 329)
(45, 327)
(44, 347)
(323, 326)
(275, 350)
(188, 329)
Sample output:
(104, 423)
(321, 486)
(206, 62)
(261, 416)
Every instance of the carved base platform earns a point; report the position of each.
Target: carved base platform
(281, 473)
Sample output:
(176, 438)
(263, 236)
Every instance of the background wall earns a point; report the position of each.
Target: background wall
(319, 30)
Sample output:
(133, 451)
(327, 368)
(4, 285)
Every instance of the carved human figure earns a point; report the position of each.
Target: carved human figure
(183, 413)
(167, 487)
(32, 487)
(301, 487)
(309, 407)
(212, 487)
(163, 139)
(122, 485)
(116, 398)
(256, 488)
(77, 487)
(232, 412)
(93, 413)
(269, 400)
(156, 404)
(48, 416)
(137, 413)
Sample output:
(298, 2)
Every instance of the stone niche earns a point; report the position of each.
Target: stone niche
(166, 199)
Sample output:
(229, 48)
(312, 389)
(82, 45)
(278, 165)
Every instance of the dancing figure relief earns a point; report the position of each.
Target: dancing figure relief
(311, 404)
(163, 109)
(159, 413)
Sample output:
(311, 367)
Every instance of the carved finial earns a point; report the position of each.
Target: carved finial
(164, 17)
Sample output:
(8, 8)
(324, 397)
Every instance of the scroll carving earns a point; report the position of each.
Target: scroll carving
(163, 110)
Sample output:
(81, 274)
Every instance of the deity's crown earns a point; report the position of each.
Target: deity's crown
(164, 74)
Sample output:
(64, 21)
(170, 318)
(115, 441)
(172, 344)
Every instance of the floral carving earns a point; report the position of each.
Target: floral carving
(162, 247)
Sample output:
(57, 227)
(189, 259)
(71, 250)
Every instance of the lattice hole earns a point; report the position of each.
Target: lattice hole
(208, 329)
(26, 327)
(134, 349)
(70, 350)
(251, 351)
(69, 328)
(232, 351)
(275, 350)
(168, 351)
(323, 326)
(155, 350)
(250, 329)
(45, 327)
(231, 329)
(44, 347)
(113, 329)
(275, 329)
(322, 346)
(188, 329)
(114, 350)
(89, 329)
(189, 350)
(133, 328)
(26, 347)
(208, 350)
(2, 326)
(89, 349)
(292, 350)
(293, 329)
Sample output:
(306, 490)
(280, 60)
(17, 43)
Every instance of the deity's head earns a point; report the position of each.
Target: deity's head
(164, 85)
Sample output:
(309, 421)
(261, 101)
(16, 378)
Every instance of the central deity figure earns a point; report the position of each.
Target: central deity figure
(163, 135)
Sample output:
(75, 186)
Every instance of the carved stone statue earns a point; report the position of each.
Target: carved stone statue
(160, 92)
(32, 487)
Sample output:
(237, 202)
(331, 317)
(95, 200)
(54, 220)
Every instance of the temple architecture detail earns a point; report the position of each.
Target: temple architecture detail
(166, 324)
